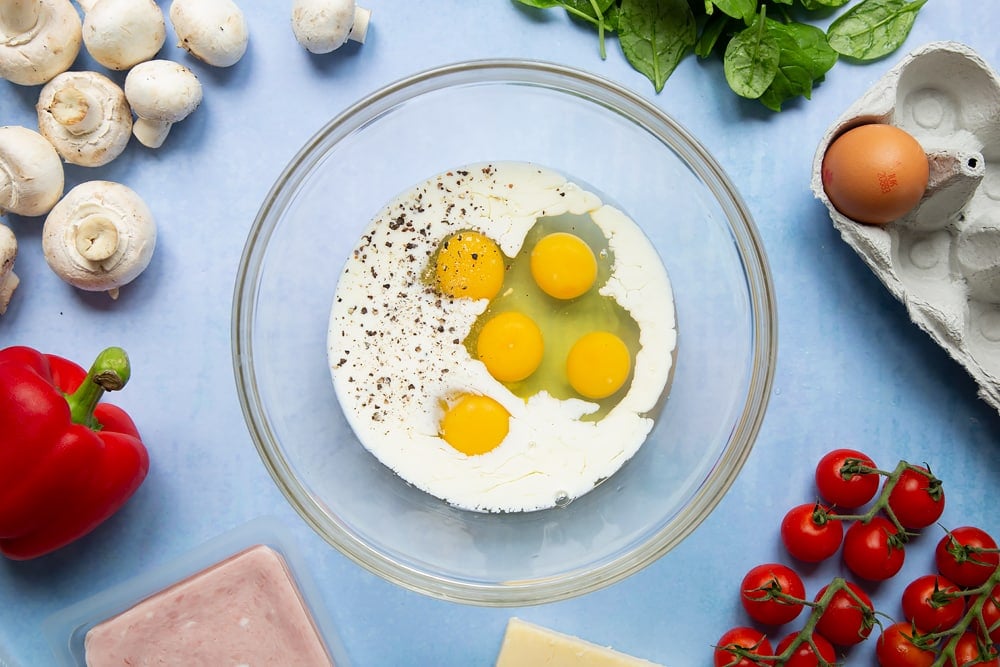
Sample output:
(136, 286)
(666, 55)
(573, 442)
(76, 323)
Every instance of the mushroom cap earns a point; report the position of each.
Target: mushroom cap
(162, 90)
(322, 26)
(214, 31)
(48, 48)
(31, 172)
(8, 279)
(115, 210)
(122, 33)
(85, 116)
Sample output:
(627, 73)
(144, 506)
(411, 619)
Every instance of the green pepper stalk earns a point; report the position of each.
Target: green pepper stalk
(109, 372)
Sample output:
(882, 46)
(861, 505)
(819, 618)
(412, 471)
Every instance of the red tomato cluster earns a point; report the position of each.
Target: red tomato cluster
(873, 543)
(955, 611)
(773, 595)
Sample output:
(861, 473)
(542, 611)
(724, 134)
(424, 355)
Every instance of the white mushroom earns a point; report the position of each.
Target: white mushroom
(8, 279)
(86, 117)
(38, 39)
(121, 33)
(160, 93)
(214, 31)
(31, 172)
(322, 26)
(99, 237)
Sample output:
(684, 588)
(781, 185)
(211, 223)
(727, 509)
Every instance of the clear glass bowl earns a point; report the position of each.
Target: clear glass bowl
(596, 133)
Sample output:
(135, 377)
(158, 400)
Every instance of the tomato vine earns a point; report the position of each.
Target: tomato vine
(951, 618)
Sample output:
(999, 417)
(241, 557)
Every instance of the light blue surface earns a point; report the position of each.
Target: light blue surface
(852, 369)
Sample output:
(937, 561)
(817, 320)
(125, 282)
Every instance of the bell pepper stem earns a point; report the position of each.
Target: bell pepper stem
(109, 372)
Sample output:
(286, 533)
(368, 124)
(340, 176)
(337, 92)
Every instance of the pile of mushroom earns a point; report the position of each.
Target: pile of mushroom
(38, 39)
(100, 236)
(8, 279)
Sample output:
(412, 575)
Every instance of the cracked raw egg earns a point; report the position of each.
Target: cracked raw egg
(875, 173)
(501, 338)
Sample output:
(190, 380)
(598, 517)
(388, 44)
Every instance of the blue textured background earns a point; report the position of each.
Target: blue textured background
(852, 370)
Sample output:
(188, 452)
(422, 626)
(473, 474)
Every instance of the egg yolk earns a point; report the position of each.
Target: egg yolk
(598, 364)
(563, 265)
(474, 424)
(469, 265)
(511, 346)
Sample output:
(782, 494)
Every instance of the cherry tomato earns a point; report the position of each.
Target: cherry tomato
(847, 620)
(754, 641)
(804, 655)
(933, 603)
(873, 550)
(957, 557)
(970, 651)
(810, 534)
(917, 499)
(765, 590)
(991, 616)
(899, 646)
(840, 481)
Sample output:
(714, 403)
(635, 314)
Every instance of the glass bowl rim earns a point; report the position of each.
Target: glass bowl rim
(619, 100)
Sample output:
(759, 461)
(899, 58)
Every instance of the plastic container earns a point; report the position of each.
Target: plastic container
(67, 629)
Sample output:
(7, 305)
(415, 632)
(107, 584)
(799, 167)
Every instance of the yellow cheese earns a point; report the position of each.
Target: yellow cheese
(529, 645)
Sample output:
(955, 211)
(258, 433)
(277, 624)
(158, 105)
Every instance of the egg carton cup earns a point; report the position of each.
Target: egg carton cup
(942, 259)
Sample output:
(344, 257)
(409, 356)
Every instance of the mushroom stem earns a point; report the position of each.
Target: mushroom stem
(96, 238)
(78, 111)
(19, 16)
(362, 17)
(151, 133)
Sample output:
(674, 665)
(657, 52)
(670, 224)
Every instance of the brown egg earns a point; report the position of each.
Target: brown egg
(875, 173)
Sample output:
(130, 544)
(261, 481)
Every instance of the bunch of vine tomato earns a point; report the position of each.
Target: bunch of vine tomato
(951, 617)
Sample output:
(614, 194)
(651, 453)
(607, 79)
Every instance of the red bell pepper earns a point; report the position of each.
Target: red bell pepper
(67, 462)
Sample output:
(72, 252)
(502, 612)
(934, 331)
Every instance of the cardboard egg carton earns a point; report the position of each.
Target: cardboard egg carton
(942, 259)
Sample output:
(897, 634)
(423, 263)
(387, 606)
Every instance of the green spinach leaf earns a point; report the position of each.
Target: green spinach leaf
(738, 9)
(816, 5)
(805, 57)
(771, 61)
(710, 34)
(611, 17)
(873, 28)
(751, 60)
(655, 35)
(541, 4)
(586, 9)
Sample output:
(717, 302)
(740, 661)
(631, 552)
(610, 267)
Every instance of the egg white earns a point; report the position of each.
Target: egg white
(395, 344)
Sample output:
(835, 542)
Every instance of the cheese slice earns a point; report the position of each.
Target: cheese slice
(529, 645)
